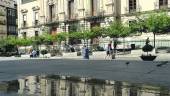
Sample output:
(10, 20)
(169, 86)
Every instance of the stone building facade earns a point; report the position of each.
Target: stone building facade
(73, 15)
(8, 18)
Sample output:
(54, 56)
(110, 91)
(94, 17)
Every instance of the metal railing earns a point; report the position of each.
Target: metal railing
(140, 43)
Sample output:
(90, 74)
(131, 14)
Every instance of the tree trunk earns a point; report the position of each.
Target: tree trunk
(154, 39)
(25, 49)
(115, 45)
(114, 50)
(59, 48)
(84, 41)
(123, 45)
(87, 42)
(40, 48)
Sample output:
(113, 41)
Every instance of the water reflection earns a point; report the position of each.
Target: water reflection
(10, 88)
(55, 85)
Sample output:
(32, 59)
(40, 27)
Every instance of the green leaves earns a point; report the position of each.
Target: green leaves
(61, 37)
(117, 29)
(47, 38)
(125, 31)
(76, 35)
(87, 34)
(23, 42)
(11, 40)
(96, 32)
(158, 22)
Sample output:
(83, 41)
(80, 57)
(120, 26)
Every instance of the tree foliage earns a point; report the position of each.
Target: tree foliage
(24, 42)
(96, 32)
(117, 29)
(158, 22)
(61, 37)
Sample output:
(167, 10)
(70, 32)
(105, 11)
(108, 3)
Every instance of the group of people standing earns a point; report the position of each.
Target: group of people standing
(109, 51)
(33, 53)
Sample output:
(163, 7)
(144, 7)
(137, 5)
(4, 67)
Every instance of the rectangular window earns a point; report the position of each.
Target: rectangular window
(24, 17)
(36, 34)
(24, 35)
(36, 18)
(24, 20)
(51, 12)
(36, 15)
(163, 4)
(94, 6)
(71, 9)
(13, 13)
(132, 6)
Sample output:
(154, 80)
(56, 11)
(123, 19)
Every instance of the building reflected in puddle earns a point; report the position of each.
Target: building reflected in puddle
(55, 85)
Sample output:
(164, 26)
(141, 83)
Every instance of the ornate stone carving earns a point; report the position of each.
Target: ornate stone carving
(24, 10)
(35, 8)
(51, 2)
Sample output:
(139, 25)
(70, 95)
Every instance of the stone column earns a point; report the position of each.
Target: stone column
(168, 3)
(117, 9)
(42, 11)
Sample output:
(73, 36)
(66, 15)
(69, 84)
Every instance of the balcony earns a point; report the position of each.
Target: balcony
(96, 14)
(52, 21)
(163, 7)
(99, 17)
(73, 16)
(132, 11)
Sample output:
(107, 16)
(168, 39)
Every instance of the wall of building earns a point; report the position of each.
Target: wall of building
(3, 26)
(142, 5)
(29, 13)
(4, 6)
(8, 3)
(83, 14)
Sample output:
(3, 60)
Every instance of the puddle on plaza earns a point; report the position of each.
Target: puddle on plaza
(55, 85)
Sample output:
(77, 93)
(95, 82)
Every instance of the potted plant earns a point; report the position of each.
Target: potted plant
(148, 48)
(43, 52)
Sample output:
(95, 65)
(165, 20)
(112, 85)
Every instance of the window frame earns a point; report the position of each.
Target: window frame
(132, 5)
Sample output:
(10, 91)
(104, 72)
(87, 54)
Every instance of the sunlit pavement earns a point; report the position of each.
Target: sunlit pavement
(156, 72)
(131, 57)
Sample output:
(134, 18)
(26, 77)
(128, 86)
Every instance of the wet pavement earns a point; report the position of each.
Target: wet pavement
(156, 73)
(57, 85)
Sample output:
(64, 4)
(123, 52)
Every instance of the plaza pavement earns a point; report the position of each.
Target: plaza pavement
(133, 56)
(127, 67)
(152, 73)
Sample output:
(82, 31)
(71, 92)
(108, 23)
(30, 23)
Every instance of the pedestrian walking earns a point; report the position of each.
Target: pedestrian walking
(109, 50)
(85, 52)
